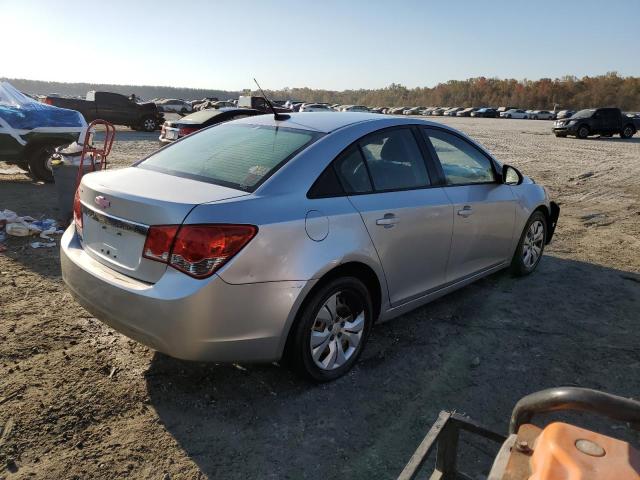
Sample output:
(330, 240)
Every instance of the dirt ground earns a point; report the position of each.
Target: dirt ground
(78, 400)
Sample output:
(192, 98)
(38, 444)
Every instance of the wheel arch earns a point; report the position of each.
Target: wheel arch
(359, 270)
(551, 214)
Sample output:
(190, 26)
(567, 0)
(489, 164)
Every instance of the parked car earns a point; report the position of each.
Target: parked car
(504, 109)
(466, 112)
(31, 131)
(378, 110)
(541, 115)
(355, 108)
(315, 107)
(413, 111)
(397, 110)
(254, 240)
(114, 108)
(452, 111)
(515, 113)
(174, 130)
(258, 103)
(174, 105)
(438, 112)
(564, 114)
(485, 113)
(605, 122)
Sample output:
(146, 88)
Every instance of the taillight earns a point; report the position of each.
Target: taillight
(48, 101)
(197, 250)
(77, 211)
(157, 246)
(186, 131)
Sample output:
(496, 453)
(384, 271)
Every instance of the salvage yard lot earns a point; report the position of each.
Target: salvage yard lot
(78, 400)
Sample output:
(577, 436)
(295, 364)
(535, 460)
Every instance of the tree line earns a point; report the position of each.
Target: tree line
(609, 90)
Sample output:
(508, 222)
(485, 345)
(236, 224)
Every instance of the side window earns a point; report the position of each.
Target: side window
(462, 162)
(394, 160)
(352, 172)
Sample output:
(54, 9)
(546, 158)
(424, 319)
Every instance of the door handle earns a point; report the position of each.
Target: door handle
(388, 221)
(465, 211)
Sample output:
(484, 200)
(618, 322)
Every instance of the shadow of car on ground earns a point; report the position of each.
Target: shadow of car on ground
(477, 350)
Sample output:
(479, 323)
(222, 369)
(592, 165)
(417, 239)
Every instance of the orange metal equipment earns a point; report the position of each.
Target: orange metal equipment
(567, 452)
(558, 451)
(97, 156)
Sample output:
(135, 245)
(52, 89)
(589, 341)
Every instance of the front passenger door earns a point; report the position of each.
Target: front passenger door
(408, 219)
(483, 207)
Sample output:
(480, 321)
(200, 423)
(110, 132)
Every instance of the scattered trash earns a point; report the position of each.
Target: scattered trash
(11, 224)
(43, 244)
(18, 229)
(475, 362)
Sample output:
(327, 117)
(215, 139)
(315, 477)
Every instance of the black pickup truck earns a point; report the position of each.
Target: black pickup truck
(605, 122)
(114, 108)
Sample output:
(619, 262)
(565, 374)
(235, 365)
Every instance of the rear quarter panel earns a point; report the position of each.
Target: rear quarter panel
(282, 250)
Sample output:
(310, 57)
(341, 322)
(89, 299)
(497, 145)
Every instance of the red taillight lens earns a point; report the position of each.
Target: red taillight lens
(186, 131)
(77, 211)
(157, 246)
(200, 250)
(48, 101)
(197, 250)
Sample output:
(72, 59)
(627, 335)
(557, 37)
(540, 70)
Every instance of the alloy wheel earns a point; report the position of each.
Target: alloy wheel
(337, 330)
(533, 244)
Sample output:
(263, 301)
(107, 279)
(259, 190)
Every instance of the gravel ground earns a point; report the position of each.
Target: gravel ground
(78, 400)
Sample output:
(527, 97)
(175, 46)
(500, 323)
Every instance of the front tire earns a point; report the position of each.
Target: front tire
(531, 245)
(583, 132)
(149, 124)
(331, 330)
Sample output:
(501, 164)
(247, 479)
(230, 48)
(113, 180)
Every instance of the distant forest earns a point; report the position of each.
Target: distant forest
(566, 92)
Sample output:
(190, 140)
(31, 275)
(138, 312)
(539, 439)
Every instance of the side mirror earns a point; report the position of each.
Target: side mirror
(511, 175)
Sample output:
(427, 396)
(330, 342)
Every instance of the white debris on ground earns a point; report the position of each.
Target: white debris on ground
(13, 225)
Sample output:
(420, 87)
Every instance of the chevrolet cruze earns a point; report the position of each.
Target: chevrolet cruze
(269, 238)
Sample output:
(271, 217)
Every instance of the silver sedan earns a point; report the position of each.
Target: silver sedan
(269, 238)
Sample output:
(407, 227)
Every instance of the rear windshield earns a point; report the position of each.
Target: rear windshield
(201, 116)
(231, 155)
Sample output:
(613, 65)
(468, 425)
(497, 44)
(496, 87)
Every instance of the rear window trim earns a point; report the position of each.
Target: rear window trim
(314, 134)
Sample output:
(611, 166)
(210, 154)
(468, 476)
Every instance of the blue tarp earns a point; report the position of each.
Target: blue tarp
(21, 112)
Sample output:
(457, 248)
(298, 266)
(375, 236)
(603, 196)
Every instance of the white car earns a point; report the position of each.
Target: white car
(542, 115)
(174, 105)
(514, 113)
(315, 107)
(355, 108)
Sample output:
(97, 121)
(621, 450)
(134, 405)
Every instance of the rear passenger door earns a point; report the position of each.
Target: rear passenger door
(484, 208)
(409, 220)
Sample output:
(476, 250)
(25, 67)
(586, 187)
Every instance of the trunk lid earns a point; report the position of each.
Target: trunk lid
(119, 205)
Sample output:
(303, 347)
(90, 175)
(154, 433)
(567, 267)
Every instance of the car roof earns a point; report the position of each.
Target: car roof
(326, 122)
(319, 121)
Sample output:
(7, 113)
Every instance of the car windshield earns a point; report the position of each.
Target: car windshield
(231, 155)
(584, 113)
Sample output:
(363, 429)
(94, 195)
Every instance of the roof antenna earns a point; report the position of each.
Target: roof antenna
(276, 115)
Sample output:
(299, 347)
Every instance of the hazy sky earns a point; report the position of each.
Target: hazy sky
(329, 44)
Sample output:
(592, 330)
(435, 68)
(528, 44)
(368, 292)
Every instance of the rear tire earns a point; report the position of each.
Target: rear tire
(627, 132)
(583, 132)
(531, 245)
(38, 159)
(336, 318)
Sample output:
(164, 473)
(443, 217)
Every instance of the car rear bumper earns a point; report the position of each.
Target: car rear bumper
(202, 320)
